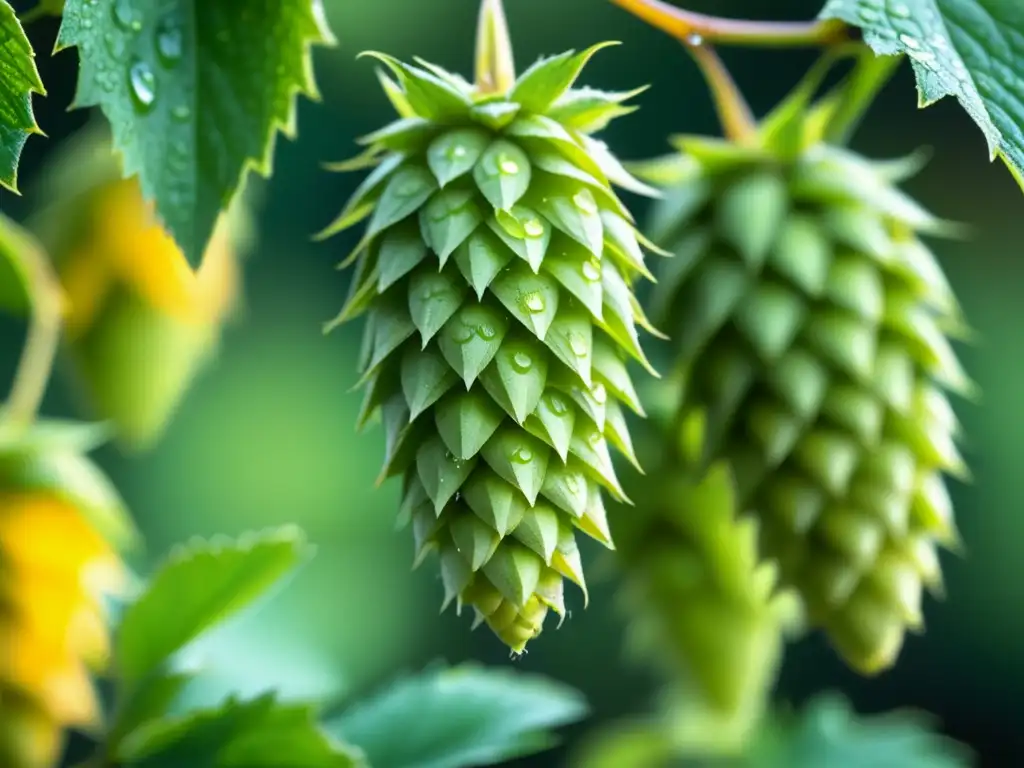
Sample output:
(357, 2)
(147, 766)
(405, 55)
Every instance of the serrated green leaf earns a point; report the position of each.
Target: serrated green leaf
(503, 174)
(453, 154)
(548, 79)
(19, 79)
(956, 48)
(448, 219)
(197, 587)
(195, 93)
(260, 733)
(456, 718)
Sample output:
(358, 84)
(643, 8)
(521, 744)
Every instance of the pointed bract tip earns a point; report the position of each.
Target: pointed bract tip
(495, 63)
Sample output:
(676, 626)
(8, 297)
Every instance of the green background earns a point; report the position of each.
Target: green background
(267, 436)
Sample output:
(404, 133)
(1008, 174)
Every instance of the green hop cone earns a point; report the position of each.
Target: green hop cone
(702, 603)
(811, 327)
(495, 276)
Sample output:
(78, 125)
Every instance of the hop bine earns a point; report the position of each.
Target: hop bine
(61, 525)
(495, 275)
(810, 327)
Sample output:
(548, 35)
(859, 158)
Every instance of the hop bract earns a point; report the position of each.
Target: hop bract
(810, 325)
(140, 322)
(495, 275)
(61, 525)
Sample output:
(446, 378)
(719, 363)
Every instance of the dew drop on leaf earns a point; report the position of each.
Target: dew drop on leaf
(522, 362)
(522, 455)
(534, 303)
(584, 202)
(142, 84)
(486, 331)
(591, 271)
(181, 113)
(599, 393)
(125, 15)
(557, 405)
(169, 41)
(901, 11)
(578, 346)
(533, 228)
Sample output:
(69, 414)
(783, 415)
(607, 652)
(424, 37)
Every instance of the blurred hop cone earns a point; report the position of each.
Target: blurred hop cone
(141, 324)
(810, 326)
(61, 527)
(702, 604)
(496, 276)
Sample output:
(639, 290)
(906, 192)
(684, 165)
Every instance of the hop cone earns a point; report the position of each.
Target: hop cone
(701, 602)
(60, 525)
(140, 323)
(496, 277)
(810, 324)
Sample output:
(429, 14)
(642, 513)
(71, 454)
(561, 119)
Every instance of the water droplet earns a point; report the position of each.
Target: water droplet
(584, 202)
(557, 405)
(522, 455)
(599, 393)
(455, 151)
(508, 166)
(169, 41)
(142, 83)
(534, 303)
(572, 482)
(463, 334)
(868, 15)
(694, 39)
(115, 44)
(595, 438)
(591, 271)
(909, 41)
(533, 228)
(578, 346)
(125, 16)
(181, 113)
(522, 362)
(486, 331)
(901, 11)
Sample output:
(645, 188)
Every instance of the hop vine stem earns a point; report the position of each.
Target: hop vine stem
(684, 25)
(41, 342)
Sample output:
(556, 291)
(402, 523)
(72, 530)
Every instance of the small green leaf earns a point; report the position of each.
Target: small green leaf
(578, 271)
(557, 420)
(465, 421)
(364, 199)
(471, 339)
(457, 718)
(503, 174)
(750, 213)
(574, 211)
(453, 154)
(589, 111)
(388, 326)
(195, 93)
(516, 378)
(956, 48)
(407, 190)
(566, 487)
(496, 115)
(430, 96)
(481, 258)
(518, 459)
(196, 588)
(495, 501)
(406, 135)
(571, 338)
(425, 377)
(401, 250)
(524, 231)
(539, 531)
(260, 733)
(448, 219)
(591, 447)
(514, 571)
(548, 79)
(532, 299)
(474, 539)
(433, 298)
(441, 473)
(19, 79)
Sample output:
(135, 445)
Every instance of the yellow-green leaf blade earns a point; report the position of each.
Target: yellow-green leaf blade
(19, 79)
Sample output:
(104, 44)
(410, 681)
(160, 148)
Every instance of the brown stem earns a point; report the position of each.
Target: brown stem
(738, 122)
(696, 27)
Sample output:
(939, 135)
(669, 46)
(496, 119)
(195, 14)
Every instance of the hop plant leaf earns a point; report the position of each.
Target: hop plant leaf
(460, 717)
(195, 93)
(811, 327)
(61, 527)
(960, 48)
(495, 275)
(19, 79)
